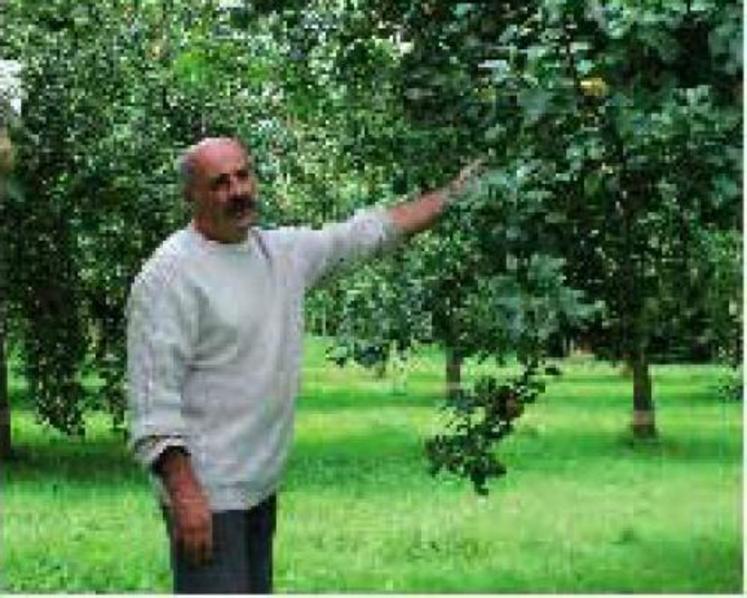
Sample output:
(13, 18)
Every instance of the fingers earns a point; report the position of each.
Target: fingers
(471, 169)
(466, 176)
(197, 546)
(194, 531)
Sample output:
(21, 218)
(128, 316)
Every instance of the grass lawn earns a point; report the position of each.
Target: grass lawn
(583, 508)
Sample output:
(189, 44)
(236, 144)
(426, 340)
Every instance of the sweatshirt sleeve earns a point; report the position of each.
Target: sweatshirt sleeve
(336, 245)
(161, 335)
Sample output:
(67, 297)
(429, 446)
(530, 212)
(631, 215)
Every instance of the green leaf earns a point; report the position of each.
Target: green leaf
(534, 103)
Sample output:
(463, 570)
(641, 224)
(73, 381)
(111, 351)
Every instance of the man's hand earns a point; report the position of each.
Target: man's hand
(465, 177)
(193, 528)
(190, 512)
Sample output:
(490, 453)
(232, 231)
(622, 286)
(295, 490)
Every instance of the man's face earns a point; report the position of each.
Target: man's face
(224, 191)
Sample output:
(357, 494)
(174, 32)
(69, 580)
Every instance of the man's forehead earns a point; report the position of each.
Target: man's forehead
(218, 153)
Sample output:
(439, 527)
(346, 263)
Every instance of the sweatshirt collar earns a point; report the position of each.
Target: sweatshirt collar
(244, 246)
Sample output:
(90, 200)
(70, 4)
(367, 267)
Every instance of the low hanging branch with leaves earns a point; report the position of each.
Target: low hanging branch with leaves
(479, 420)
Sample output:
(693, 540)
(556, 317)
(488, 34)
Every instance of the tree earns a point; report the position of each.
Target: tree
(437, 108)
(631, 117)
(619, 124)
(596, 114)
(10, 104)
(486, 283)
(591, 117)
(113, 92)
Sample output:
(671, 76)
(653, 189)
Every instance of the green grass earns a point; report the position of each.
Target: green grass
(583, 509)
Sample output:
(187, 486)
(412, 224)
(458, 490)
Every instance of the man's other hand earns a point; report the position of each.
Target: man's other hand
(191, 518)
(193, 527)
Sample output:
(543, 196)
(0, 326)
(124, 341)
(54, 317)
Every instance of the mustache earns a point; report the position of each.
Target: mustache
(241, 203)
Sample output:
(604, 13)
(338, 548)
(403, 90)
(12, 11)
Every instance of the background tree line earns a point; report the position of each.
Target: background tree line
(609, 214)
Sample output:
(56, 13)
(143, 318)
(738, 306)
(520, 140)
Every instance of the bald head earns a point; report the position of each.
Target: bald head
(189, 162)
(219, 183)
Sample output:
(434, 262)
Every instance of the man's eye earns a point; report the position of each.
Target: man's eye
(242, 174)
(220, 181)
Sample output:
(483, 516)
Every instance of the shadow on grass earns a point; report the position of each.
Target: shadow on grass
(591, 395)
(559, 449)
(377, 452)
(381, 450)
(383, 457)
(328, 401)
(370, 460)
(704, 564)
(680, 448)
(98, 460)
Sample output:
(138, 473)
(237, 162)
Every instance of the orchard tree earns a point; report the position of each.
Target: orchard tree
(113, 92)
(426, 114)
(6, 167)
(618, 124)
(77, 155)
(486, 283)
(629, 121)
(613, 129)
(10, 106)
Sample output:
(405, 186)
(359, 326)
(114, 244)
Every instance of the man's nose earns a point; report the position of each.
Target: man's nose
(241, 185)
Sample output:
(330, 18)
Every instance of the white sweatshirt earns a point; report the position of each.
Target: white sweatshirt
(214, 343)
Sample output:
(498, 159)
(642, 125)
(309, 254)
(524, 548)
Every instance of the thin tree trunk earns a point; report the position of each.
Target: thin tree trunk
(453, 373)
(6, 165)
(5, 435)
(399, 373)
(644, 420)
(380, 369)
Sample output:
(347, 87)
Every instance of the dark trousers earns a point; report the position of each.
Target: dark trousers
(242, 554)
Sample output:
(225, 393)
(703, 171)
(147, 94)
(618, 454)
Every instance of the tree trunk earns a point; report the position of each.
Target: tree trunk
(5, 436)
(644, 420)
(6, 165)
(324, 320)
(380, 369)
(453, 373)
(399, 373)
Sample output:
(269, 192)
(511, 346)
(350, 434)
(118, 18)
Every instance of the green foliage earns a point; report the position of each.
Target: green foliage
(723, 306)
(480, 419)
(636, 148)
(113, 93)
(610, 206)
(612, 132)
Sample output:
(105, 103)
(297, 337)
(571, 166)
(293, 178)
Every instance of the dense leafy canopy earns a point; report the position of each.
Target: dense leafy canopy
(609, 210)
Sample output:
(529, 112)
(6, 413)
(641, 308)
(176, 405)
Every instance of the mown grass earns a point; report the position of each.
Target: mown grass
(583, 509)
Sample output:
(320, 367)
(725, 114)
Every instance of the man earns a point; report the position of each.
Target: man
(215, 333)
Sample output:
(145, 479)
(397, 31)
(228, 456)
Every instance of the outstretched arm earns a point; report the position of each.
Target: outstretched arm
(420, 214)
(331, 248)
